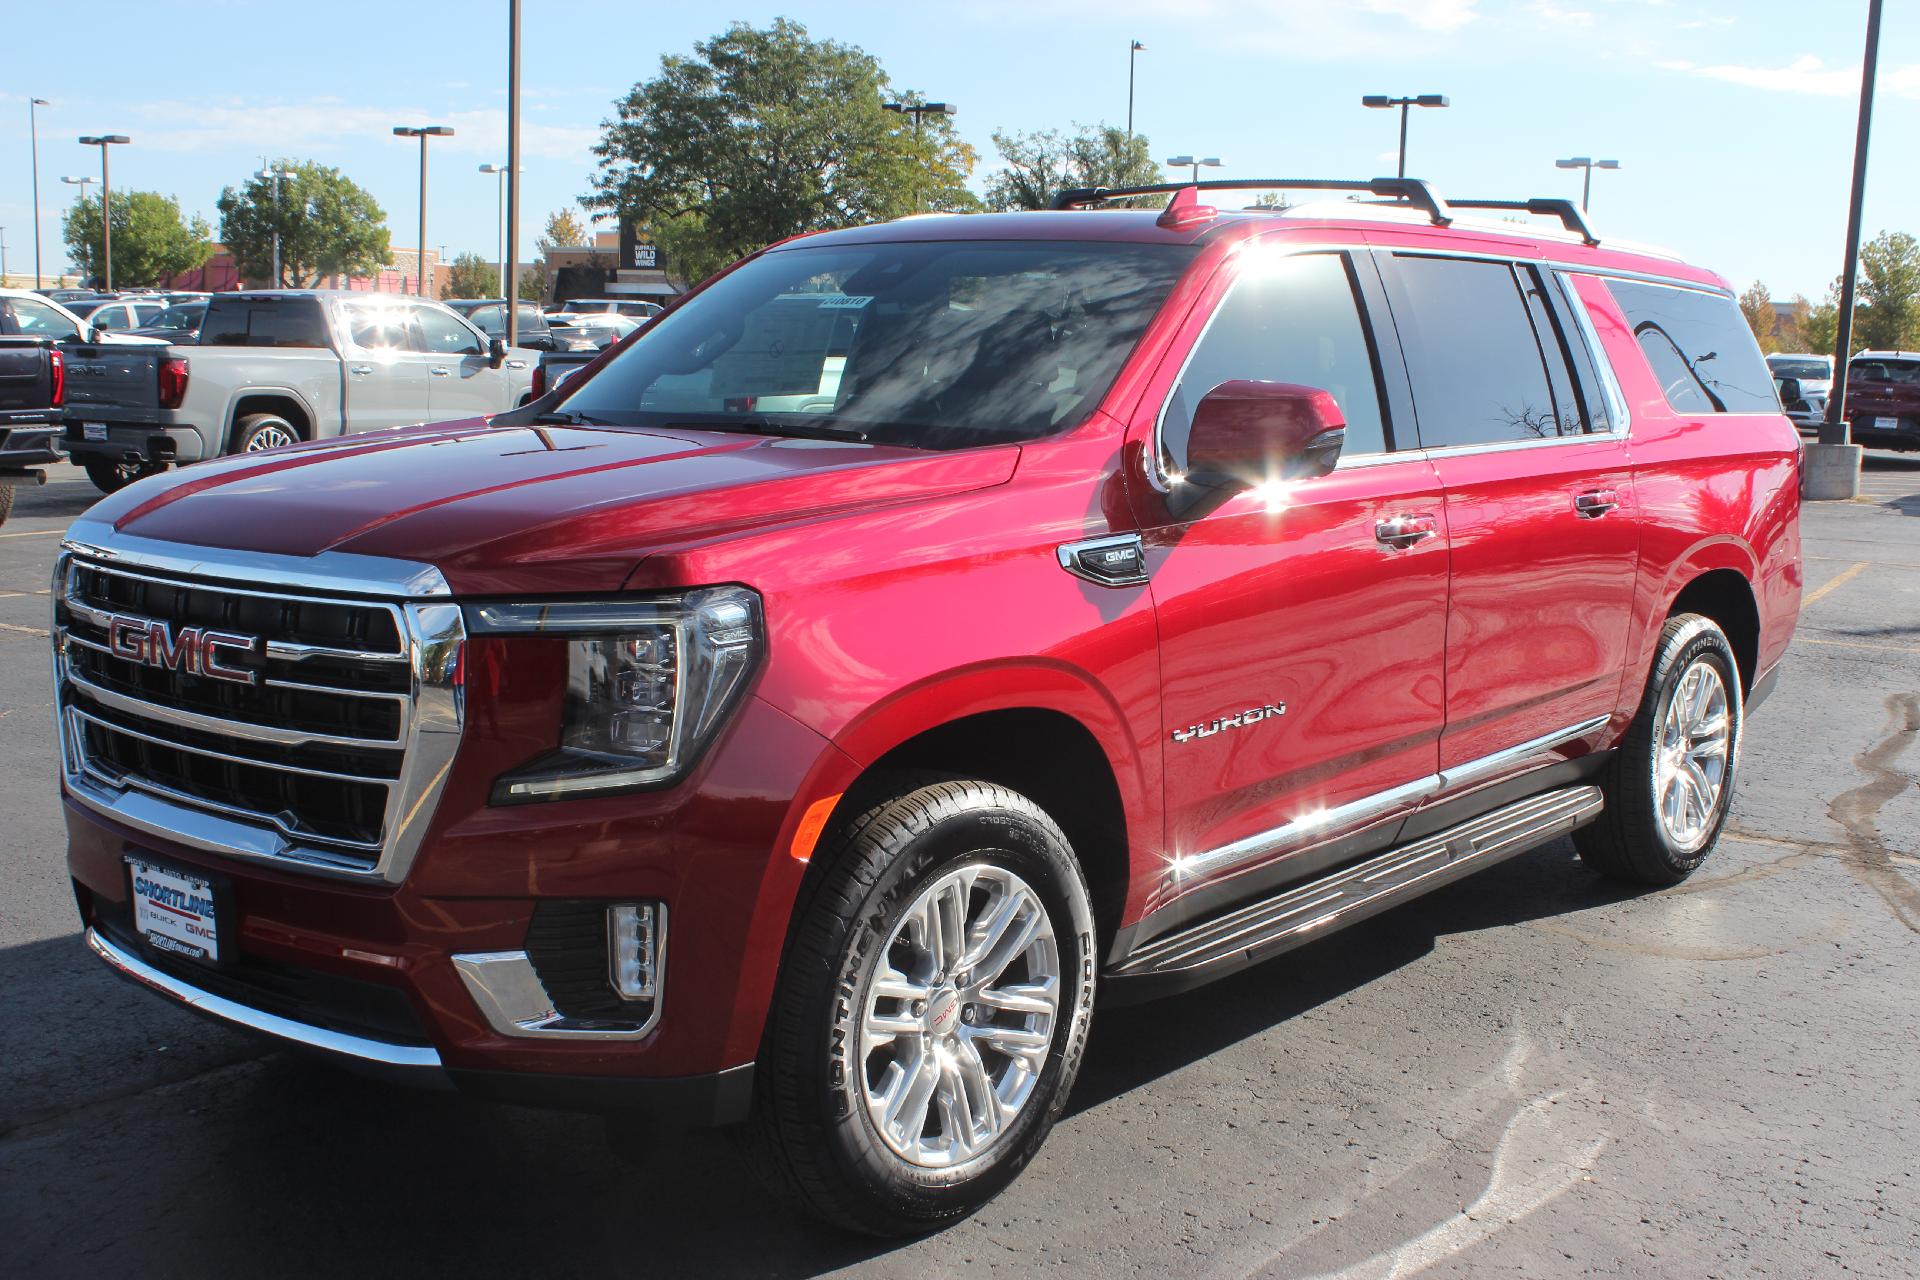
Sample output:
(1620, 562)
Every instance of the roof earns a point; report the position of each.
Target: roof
(1373, 221)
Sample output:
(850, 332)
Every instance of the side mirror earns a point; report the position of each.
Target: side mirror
(1790, 392)
(496, 351)
(1247, 433)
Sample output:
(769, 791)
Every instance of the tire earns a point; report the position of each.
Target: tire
(6, 502)
(818, 1134)
(1662, 819)
(111, 477)
(258, 432)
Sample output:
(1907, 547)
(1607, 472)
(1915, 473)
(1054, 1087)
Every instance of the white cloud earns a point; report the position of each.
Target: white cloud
(1805, 75)
(1428, 15)
(1553, 13)
(293, 127)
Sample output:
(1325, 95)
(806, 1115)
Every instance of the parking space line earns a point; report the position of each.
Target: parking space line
(1839, 580)
(25, 631)
(1878, 564)
(35, 533)
(1858, 644)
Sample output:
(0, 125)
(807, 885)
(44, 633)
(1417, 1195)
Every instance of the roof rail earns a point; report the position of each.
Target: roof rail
(1415, 191)
(1570, 216)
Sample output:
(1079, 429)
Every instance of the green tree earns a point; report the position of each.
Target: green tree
(1888, 314)
(564, 231)
(328, 225)
(1038, 166)
(1819, 329)
(472, 276)
(764, 133)
(151, 240)
(1756, 304)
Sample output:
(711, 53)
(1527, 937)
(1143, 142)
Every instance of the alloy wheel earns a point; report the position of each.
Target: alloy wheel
(272, 436)
(958, 1016)
(1691, 755)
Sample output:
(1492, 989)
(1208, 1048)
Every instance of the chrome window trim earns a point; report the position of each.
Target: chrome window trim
(1355, 813)
(378, 1052)
(507, 990)
(1619, 413)
(432, 636)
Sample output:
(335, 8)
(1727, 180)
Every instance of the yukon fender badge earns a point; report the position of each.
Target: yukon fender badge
(1239, 720)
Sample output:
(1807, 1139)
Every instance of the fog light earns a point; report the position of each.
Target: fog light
(636, 937)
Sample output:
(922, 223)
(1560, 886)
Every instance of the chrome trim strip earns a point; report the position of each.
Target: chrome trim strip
(1069, 556)
(378, 1052)
(1618, 410)
(116, 571)
(1473, 770)
(1646, 277)
(331, 572)
(506, 988)
(289, 651)
(243, 729)
(159, 810)
(211, 754)
(1356, 813)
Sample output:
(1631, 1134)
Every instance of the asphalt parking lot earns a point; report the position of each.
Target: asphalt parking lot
(1529, 1073)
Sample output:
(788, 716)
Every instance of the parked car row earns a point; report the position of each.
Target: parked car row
(1883, 395)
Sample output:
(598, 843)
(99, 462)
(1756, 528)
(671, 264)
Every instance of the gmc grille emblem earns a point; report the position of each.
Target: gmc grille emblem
(194, 651)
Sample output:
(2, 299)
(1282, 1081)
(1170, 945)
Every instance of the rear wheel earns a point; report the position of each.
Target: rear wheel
(261, 431)
(109, 476)
(932, 1011)
(1670, 783)
(6, 502)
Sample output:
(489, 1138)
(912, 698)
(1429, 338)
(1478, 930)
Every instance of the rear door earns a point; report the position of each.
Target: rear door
(387, 380)
(1300, 642)
(1539, 501)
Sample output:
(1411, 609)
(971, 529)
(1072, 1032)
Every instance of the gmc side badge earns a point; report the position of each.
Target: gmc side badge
(1118, 561)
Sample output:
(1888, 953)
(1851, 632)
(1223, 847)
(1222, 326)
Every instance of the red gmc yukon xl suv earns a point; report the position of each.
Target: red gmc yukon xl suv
(798, 717)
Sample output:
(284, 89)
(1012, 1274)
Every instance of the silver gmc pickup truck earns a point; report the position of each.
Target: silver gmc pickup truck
(275, 367)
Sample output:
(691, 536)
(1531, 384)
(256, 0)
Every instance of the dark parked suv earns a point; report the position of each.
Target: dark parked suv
(800, 717)
(1883, 399)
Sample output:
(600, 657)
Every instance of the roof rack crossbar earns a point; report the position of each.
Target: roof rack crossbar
(1569, 213)
(1415, 191)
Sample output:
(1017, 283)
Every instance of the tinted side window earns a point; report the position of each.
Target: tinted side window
(1289, 319)
(1472, 354)
(444, 335)
(40, 320)
(291, 323)
(1700, 348)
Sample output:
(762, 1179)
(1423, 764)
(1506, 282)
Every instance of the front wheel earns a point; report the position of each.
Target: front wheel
(1670, 783)
(932, 1011)
(109, 476)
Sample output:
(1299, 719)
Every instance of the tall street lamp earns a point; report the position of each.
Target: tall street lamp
(500, 220)
(510, 286)
(33, 130)
(1382, 101)
(1133, 50)
(422, 132)
(274, 173)
(105, 141)
(1586, 183)
(1177, 162)
(919, 111)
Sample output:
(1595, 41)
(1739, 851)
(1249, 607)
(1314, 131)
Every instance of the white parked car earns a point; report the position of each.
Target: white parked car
(35, 316)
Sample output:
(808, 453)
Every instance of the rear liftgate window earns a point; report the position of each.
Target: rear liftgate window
(1700, 348)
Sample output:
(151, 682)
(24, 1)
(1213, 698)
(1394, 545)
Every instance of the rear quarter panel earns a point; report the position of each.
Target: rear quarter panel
(1716, 491)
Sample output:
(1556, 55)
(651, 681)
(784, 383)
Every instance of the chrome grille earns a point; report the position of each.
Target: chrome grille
(329, 758)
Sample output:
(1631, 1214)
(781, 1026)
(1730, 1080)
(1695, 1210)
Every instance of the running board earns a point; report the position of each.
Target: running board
(1225, 943)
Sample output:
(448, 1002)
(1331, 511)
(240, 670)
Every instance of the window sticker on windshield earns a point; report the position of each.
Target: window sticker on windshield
(843, 302)
(782, 353)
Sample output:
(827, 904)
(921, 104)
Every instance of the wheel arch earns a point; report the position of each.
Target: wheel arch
(282, 401)
(1725, 595)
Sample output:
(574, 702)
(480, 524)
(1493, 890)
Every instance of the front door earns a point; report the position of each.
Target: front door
(1539, 499)
(462, 381)
(1301, 639)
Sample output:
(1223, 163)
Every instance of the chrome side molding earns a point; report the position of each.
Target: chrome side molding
(508, 991)
(1356, 813)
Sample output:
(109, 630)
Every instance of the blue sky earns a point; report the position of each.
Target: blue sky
(1732, 119)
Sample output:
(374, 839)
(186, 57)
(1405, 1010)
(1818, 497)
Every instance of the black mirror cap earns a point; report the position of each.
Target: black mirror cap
(497, 351)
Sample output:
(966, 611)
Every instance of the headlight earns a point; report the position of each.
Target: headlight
(649, 682)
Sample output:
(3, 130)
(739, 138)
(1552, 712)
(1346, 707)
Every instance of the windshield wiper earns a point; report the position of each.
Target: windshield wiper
(566, 418)
(760, 425)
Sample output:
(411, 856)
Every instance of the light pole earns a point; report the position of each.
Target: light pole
(275, 173)
(3, 257)
(104, 141)
(919, 111)
(510, 286)
(1382, 101)
(1176, 162)
(1833, 465)
(499, 220)
(1134, 49)
(1586, 183)
(422, 132)
(33, 130)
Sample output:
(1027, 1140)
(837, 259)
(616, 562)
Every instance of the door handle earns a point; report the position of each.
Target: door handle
(361, 369)
(1405, 530)
(439, 371)
(1591, 506)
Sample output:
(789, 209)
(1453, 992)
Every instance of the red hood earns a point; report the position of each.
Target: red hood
(549, 509)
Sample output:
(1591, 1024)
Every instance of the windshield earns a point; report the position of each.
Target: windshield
(181, 317)
(1816, 369)
(936, 345)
